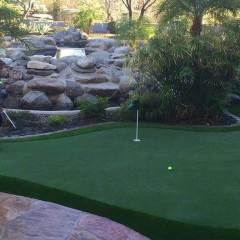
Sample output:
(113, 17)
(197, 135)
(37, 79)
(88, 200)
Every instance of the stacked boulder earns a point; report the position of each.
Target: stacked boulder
(70, 38)
(43, 82)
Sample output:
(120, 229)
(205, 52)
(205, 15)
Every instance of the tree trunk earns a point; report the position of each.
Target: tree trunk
(130, 14)
(196, 28)
(142, 12)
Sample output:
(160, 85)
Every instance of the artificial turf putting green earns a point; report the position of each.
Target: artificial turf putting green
(104, 172)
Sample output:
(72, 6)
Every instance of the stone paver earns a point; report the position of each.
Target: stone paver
(23, 218)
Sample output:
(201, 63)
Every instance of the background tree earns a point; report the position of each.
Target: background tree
(196, 10)
(141, 5)
(129, 7)
(108, 4)
(25, 6)
(144, 5)
(10, 23)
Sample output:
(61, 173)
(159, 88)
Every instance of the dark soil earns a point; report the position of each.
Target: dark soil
(32, 128)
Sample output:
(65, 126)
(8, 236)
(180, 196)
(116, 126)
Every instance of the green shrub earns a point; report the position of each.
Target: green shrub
(57, 120)
(112, 27)
(93, 109)
(10, 21)
(134, 30)
(199, 71)
(153, 107)
(85, 18)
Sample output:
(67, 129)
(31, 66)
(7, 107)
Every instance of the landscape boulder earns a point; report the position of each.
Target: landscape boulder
(40, 65)
(70, 38)
(36, 100)
(62, 102)
(73, 89)
(40, 45)
(47, 85)
(41, 58)
(16, 88)
(15, 53)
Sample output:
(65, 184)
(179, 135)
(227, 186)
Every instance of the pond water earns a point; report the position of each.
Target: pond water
(64, 52)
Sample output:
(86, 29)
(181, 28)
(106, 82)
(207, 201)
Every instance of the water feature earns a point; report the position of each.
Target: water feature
(66, 51)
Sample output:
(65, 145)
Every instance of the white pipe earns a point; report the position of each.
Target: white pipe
(9, 119)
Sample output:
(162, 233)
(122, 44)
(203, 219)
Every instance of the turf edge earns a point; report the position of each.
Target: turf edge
(149, 225)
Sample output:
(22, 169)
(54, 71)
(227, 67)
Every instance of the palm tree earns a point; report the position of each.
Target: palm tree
(196, 10)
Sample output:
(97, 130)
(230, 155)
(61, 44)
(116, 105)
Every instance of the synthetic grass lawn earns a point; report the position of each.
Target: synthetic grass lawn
(104, 172)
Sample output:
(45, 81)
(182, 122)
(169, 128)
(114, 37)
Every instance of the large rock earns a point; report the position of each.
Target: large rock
(119, 62)
(41, 45)
(107, 89)
(6, 61)
(70, 38)
(2, 53)
(16, 89)
(73, 89)
(39, 72)
(70, 59)
(101, 57)
(18, 73)
(48, 85)
(112, 72)
(40, 65)
(41, 58)
(86, 97)
(124, 50)
(60, 65)
(62, 102)
(20, 62)
(91, 78)
(15, 53)
(82, 70)
(103, 44)
(36, 100)
(86, 62)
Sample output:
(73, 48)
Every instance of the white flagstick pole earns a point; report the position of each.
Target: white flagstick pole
(8, 118)
(137, 139)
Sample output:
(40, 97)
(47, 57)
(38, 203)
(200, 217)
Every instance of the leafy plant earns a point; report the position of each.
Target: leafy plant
(85, 18)
(93, 109)
(199, 72)
(10, 21)
(134, 30)
(195, 10)
(38, 27)
(57, 120)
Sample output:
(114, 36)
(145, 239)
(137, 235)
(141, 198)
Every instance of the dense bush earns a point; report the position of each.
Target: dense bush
(57, 120)
(93, 109)
(85, 18)
(199, 72)
(10, 21)
(134, 30)
(112, 27)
